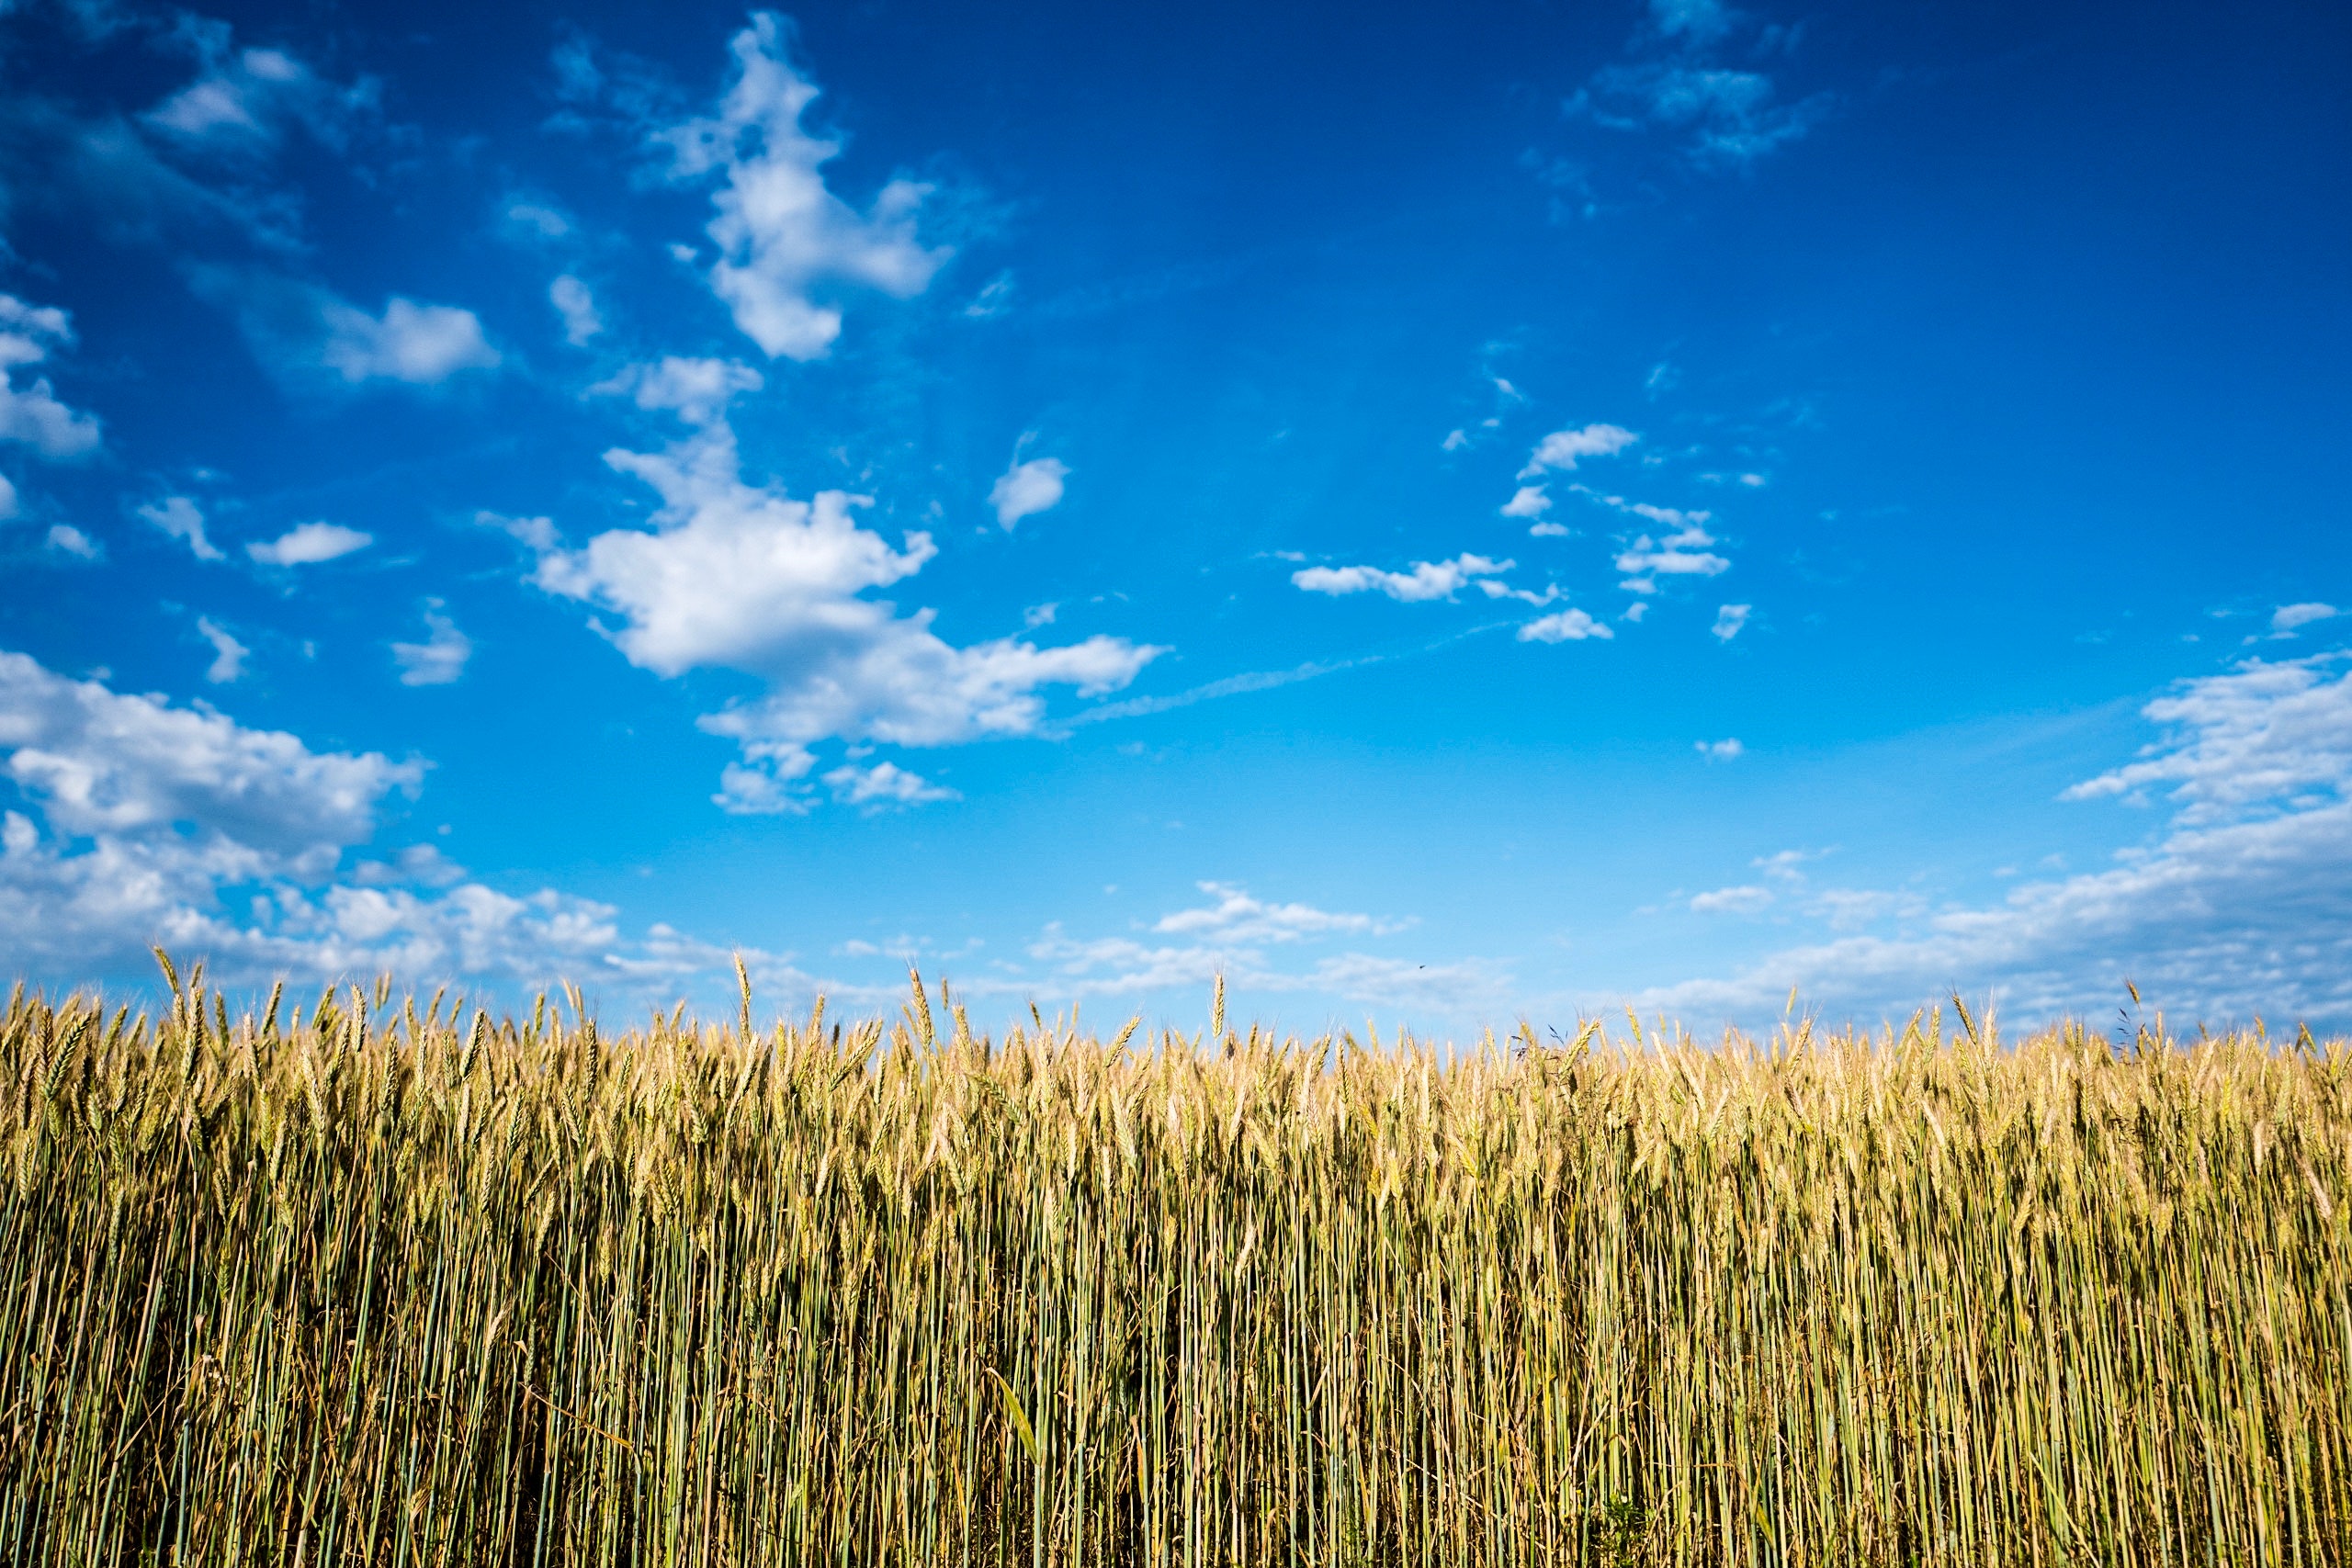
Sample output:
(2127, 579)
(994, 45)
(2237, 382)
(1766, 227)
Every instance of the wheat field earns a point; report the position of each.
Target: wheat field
(371, 1283)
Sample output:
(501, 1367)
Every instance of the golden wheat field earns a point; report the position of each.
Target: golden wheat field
(376, 1282)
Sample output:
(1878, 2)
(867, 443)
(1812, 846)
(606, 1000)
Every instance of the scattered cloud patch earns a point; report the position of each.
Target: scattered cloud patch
(2289, 619)
(883, 785)
(1426, 581)
(1682, 554)
(1235, 915)
(1729, 619)
(66, 539)
(180, 517)
(1026, 488)
(577, 306)
(30, 413)
(229, 655)
(1724, 750)
(784, 239)
(304, 333)
(1528, 500)
(1562, 449)
(441, 657)
(309, 543)
(1746, 901)
(1565, 626)
(244, 100)
(739, 575)
(2241, 902)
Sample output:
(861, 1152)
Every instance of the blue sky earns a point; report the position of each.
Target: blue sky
(1441, 513)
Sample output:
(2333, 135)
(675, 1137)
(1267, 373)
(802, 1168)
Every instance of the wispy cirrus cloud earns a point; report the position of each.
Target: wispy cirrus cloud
(2238, 905)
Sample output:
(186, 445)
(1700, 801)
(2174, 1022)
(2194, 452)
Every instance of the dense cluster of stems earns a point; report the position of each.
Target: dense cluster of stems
(388, 1285)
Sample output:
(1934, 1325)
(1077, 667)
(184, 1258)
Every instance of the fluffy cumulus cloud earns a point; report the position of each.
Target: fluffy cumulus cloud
(128, 820)
(1729, 621)
(2241, 901)
(788, 244)
(739, 576)
(1562, 449)
(308, 544)
(304, 333)
(883, 785)
(1564, 626)
(441, 657)
(30, 412)
(1026, 488)
(1427, 580)
(1528, 502)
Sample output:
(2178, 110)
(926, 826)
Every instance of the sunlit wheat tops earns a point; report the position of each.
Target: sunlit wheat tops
(375, 1284)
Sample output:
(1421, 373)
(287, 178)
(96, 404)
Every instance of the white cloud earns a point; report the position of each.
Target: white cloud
(1237, 916)
(1563, 448)
(1746, 901)
(1026, 488)
(1428, 579)
(577, 306)
(7, 499)
(229, 655)
(1730, 116)
(308, 544)
(298, 329)
(743, 577)
(1549, 531)
(1727, 751)
(2288, 619)
(882, 785)
(766, 789)
(993, 300)
(536, 219)
(180, 517)
(1229, 938)
(784, 238)
(422, 344)
(66, 539)
(101, 763)
(1037, 615)
(244, 99)
(2241, 903)
(1567, 626)
(696, 391)
(1528, 500)
(138, 822)
(1456, 440)
(1679, 555)
(2262, 736)
(1729, 619)
(31, 415)
(441, 657)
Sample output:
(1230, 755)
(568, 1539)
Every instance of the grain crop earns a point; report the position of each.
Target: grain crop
(372, 1281)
